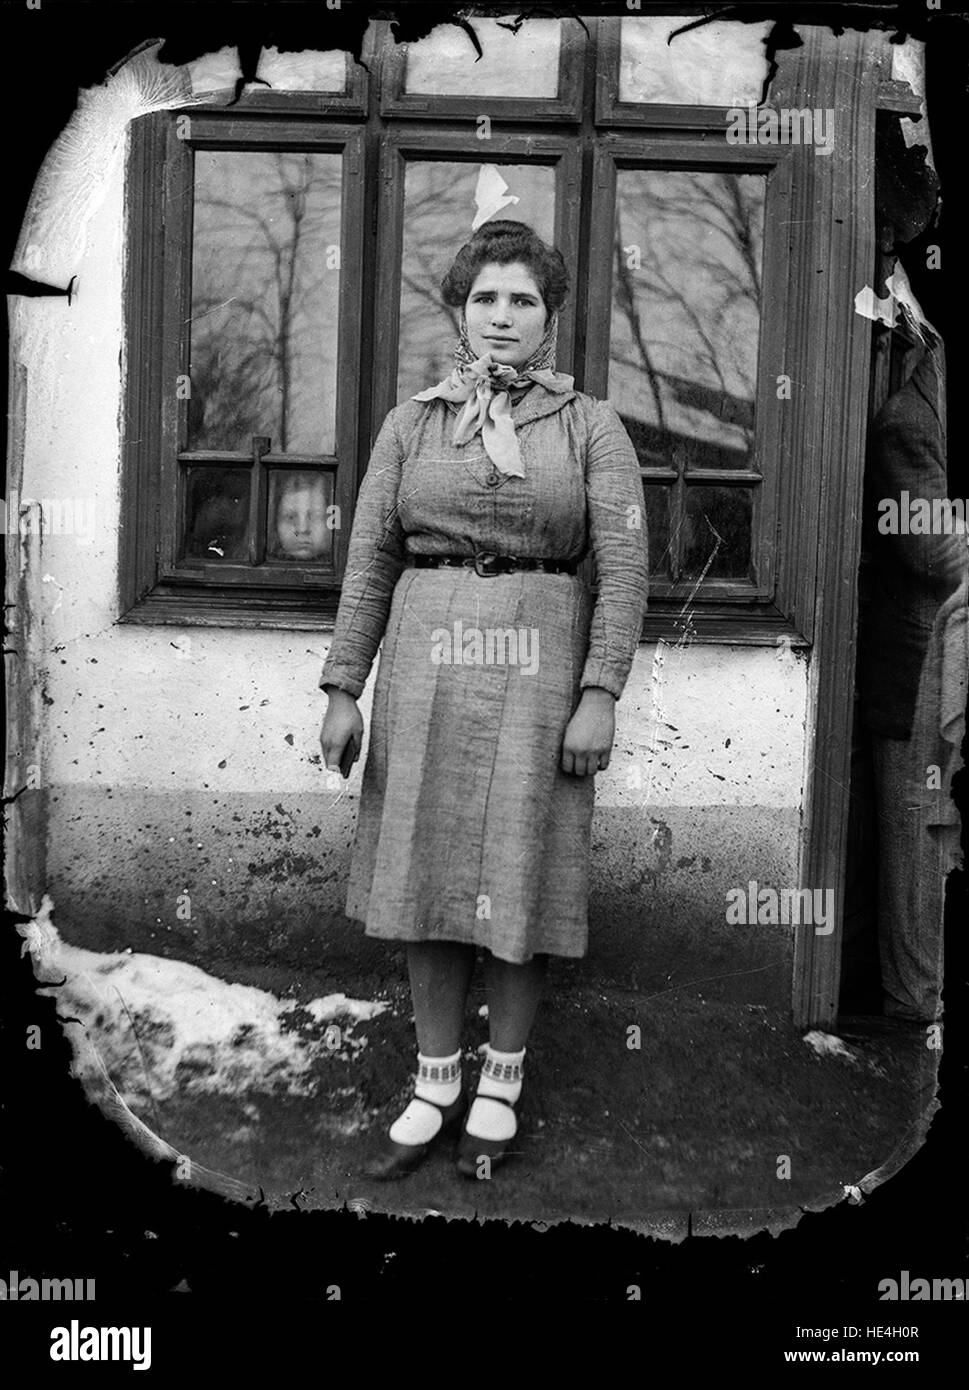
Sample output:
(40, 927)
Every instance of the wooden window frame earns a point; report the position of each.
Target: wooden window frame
(762, 609)
(353, 101)
(564, 106)
(154, 586)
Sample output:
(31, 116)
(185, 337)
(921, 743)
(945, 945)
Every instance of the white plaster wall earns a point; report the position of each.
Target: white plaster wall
(703, 725)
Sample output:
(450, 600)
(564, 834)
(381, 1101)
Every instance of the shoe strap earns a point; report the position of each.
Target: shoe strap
(500, 1099)
(437, 1104)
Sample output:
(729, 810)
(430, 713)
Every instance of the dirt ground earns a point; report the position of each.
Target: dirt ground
(714, 1112)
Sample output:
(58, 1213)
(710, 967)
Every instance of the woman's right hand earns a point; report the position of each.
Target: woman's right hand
(340, 723)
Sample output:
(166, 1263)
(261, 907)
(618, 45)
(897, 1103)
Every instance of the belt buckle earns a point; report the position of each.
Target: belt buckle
(487, 558)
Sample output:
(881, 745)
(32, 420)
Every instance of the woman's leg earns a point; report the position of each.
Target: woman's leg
(513, 993)
(440, 974)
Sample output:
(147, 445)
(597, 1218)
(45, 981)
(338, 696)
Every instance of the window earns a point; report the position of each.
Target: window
(248, 409)
(285, 255)
(688, 263)
(433, 185)
(524, 72)
(663, 70)
(263, 337)
(681, 345)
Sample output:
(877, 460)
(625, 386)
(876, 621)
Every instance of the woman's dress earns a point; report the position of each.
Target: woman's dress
(468, 829)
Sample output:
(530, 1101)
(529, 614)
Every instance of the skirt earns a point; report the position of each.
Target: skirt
(468, 829)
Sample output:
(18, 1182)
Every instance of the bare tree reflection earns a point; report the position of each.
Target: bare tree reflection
(265, 291)
(687, 291)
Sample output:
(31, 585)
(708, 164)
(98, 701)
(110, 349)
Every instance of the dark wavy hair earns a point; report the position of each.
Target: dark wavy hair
(502, 243)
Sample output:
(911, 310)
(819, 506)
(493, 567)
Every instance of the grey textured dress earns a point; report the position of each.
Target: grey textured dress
(468, 829)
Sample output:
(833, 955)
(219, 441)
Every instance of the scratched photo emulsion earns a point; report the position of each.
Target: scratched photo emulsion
(490, 621)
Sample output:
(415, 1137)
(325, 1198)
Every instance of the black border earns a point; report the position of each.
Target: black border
(73, 1191)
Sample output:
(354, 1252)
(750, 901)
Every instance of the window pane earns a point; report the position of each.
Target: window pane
(717, 528)
(439, 208)
(298, 517)
(657, 498)
(685, 320)
(265, 300)
(719, 64)
(522, 64)
(217, 513)
(303, 72)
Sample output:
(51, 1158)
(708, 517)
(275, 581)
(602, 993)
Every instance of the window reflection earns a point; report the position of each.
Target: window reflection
(217, 513)
(298, 515)
(265, 299)
(439, 208)
(686, 314)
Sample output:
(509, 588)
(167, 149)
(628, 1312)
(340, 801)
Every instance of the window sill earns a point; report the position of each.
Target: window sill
(309, 611)
(724, 632)
(316, 611)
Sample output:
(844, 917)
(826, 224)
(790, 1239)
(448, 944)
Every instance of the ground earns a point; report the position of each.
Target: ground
(716, 1110)
(650, 1102)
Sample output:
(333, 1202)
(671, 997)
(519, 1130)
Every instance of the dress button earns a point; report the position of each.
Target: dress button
(494, 478)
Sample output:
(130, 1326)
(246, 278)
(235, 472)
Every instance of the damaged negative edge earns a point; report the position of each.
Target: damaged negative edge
(908, 66)
(88, 1069)
(25, 819)
(73, 178)
(899, 299)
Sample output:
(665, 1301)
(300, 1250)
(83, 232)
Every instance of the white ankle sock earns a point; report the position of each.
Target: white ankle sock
(501, 1075)
(439, 1080)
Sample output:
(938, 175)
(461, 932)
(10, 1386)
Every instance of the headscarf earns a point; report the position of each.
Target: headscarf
(483, 384)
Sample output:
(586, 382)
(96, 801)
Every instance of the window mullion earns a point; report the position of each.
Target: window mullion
(257, 500)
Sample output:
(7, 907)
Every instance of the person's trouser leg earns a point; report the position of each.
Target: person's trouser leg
(911, 776)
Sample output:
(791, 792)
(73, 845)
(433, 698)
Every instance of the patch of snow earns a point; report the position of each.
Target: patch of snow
(163, 1026)
(827, 1045)
(334, 1006)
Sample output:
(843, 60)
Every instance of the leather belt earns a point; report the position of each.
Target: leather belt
(489, 563)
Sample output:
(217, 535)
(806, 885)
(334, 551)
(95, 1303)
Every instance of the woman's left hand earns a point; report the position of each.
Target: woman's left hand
(590, 733)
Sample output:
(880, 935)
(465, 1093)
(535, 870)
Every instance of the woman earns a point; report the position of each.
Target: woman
(493, 705)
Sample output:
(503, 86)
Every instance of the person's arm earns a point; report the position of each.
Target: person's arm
(375, 559)
(618, 538)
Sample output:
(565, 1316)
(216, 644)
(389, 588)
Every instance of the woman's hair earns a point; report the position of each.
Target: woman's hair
(503, 243)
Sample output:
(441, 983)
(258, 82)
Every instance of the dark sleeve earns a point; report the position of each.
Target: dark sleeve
(617, 536)
(374, 561)
(905, 576)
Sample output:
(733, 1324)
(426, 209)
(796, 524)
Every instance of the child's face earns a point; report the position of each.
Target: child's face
(301, 529)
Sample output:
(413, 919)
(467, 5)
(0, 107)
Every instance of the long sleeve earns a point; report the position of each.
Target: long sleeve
(374, 562)
(906, 576)
(618, 537)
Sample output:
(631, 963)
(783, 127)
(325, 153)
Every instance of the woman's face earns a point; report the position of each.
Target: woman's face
(505, 313)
